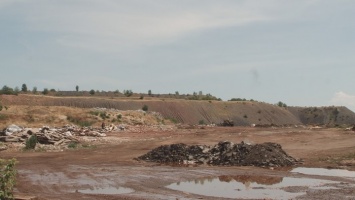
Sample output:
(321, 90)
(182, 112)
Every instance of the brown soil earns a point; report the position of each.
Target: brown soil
(59, 175)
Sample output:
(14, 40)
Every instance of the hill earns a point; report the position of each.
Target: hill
(198, 112)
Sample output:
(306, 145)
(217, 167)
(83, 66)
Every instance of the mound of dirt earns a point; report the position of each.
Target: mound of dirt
(224, 153)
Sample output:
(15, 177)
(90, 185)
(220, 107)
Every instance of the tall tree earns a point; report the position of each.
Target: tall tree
(77, 88)
(24, 88)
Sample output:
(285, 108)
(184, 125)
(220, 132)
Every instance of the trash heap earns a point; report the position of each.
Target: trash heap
(53, 136)
(224, 153)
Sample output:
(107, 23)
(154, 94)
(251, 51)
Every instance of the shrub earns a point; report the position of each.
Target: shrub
(145, 108)
(245, 116)
(128, 93)
(7, 178)
(34, 90)
(45, 91)
(72, 145)
(201, 122)
(92, 92)
(79, 121)
(31, 142)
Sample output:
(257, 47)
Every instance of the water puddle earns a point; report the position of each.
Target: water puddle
(107, 190)
(251, 187)
(325, 172)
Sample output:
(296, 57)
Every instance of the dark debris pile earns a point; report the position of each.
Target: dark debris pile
(224, 153)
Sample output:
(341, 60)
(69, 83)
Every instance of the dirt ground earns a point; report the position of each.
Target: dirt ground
(110, 163)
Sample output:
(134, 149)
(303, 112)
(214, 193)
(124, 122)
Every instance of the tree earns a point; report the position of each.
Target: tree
(128, 93)
(16, 90)
(7, 90)
(34, 90)
(149, 92)
(92, 92)
(281, 104)
(24, 88)
(77, 88)
(45, 91)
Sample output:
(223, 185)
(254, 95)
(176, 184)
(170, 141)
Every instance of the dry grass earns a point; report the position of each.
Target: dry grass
(38, 116)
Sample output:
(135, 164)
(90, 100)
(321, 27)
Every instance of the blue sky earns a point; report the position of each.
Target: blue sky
(299, 52)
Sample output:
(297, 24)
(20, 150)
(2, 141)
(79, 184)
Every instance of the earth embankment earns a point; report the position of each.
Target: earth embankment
(242, 113)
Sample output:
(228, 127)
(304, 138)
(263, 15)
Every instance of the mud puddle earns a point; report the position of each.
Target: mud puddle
(325, 172)
(107, 190)
(252, 187)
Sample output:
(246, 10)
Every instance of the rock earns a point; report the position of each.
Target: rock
(12, 129)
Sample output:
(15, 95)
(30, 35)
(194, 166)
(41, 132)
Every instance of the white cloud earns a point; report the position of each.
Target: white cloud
(344, 99)
(99, 23)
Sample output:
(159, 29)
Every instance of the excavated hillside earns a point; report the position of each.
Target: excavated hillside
(195, 112)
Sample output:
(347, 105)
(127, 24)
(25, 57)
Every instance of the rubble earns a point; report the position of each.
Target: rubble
(53, 136)
(227, 122)
(224, 153)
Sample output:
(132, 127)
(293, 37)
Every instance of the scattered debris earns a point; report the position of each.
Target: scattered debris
(224, 153)
(227, 122)
(53, 136)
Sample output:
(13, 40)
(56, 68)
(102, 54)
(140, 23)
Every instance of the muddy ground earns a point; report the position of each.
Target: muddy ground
(110, 163)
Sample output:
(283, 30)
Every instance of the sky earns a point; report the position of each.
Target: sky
(299, 52)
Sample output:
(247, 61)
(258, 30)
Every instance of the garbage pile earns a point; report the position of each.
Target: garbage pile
(224, 153)
(54, 136)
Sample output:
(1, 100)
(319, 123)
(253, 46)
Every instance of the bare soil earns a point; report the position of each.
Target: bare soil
(110, 163)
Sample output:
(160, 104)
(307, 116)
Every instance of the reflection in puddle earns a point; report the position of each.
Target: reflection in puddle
(107, 190)
(325, 172)
(254, 187)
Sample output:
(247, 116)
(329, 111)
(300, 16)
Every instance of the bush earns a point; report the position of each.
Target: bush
(128, 93)
(79, 121)
(45, 91)
(92, 92)
(7, 178)
(145, 108)
(72, 145)
(201, 122)
(31, 142)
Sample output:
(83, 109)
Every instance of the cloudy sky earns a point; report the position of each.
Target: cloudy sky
(299, 52)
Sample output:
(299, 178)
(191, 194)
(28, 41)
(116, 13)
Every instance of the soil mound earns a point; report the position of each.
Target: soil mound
(224, 153)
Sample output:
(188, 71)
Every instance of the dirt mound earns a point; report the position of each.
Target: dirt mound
(224, 153)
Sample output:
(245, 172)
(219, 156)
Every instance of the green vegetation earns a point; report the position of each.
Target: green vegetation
(281, 104)
(145, 108)
(201, 122)
(240, 99)
(7, 178)
(45, 91)
(79, 121)
(173, 120)
(31, 142)
(6, 90)
(34, 90)
(24, 88)
(150, 92)
(72, 145)
(127, 93)
(101, 114)
(77, 88)
(92, 92)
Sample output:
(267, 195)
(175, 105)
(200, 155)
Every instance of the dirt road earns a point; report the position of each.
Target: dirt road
(109, 171)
